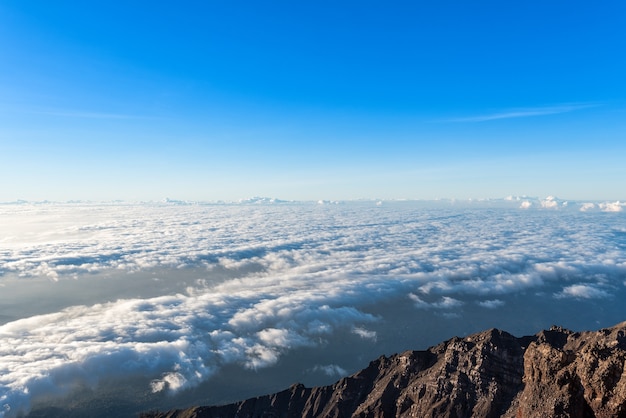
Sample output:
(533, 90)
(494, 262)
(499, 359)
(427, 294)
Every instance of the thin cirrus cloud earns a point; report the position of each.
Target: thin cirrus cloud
(90, 115)
(69, 113)
(525, 112)
(270, 279)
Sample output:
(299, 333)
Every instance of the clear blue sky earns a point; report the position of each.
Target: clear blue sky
(209, 100)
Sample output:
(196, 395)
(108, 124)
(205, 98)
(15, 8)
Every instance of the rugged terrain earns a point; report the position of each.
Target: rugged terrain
(556, 373)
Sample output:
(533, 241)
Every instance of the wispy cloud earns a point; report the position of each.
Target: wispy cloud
(331, 370)
(66, 113)
(89, 115)
(526, 112)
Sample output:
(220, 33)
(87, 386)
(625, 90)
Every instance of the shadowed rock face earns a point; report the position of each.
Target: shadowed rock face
(556, 373)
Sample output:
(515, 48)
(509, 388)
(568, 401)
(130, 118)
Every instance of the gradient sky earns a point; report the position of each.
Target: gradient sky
(208, 100)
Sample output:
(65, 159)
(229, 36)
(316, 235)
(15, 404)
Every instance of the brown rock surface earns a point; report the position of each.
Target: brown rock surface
(556, 373)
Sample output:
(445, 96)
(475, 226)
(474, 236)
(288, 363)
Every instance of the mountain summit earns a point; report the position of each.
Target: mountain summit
(556, 373)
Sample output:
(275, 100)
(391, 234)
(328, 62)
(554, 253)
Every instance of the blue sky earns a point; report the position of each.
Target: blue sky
(312, 100)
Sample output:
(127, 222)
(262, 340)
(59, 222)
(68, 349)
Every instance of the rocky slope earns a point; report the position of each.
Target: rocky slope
(556, 373)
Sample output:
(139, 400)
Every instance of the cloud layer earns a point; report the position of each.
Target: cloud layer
(294, 274)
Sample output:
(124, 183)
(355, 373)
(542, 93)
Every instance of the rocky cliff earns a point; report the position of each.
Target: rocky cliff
(556, 373)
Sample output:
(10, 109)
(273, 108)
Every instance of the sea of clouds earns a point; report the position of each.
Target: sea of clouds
(245, 284)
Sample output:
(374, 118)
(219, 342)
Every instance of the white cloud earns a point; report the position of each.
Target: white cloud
(616, 206)
(446, 302)
(491, 304)
(611, 206)
(587, 207)
(180, 340)
(549, 202)
(255, 281)
(332, 370)
(582, 291)
(419, 303)
(365, 333)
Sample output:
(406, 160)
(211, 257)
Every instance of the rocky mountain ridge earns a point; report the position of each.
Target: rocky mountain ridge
(555, 373)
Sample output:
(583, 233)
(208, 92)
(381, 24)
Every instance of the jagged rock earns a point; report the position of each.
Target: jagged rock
(556, 373)
(568, 374)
